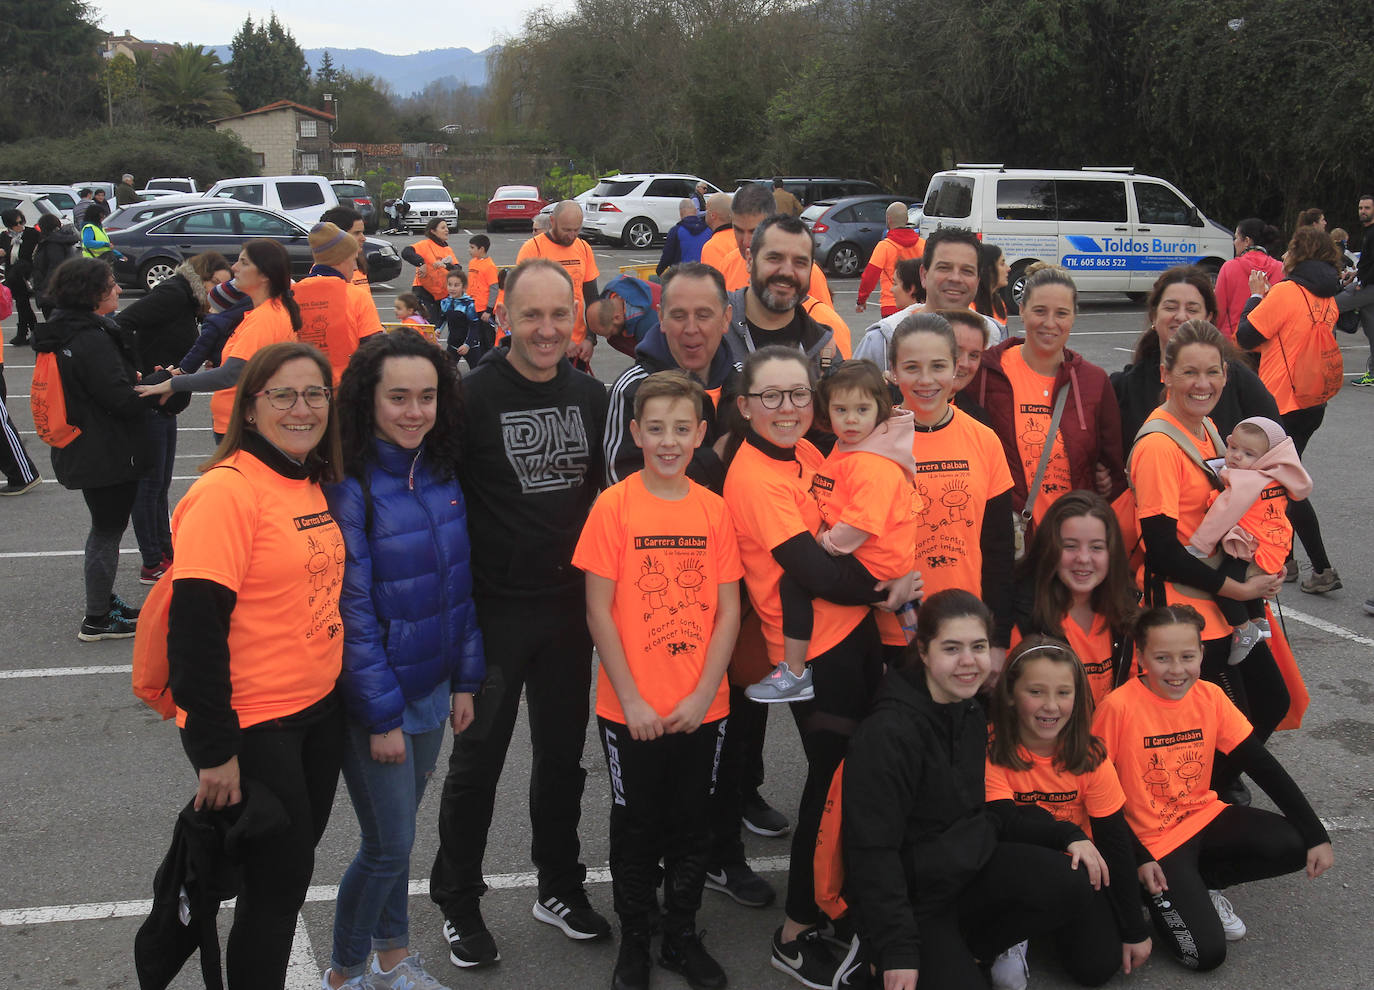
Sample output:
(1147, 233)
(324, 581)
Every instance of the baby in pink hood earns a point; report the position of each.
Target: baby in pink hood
(1247, 524)
(866, 491)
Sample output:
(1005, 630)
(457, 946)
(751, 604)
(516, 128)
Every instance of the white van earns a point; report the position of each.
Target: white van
(304, 197)
(1114, 230)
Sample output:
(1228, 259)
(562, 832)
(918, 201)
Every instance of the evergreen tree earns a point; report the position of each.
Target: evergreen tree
(50, 74)
(266, 64)
(326, 74)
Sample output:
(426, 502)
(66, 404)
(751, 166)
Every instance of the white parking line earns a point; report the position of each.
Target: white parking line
(1324, 626)
(114, 668)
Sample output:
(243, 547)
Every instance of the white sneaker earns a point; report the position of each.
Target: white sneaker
(1010, 970)
(1230, 921)
(356, 983)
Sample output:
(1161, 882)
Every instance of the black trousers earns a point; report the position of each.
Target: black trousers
(15, 463)
(543, 648)
(739, 777)
(1240, 845)
(845, 678)
(297, 758)
(23, 308)
(660, 810)
(1301, 424)
(1022, 892)
(1255, 686)
(1237, 612)
(110, 507)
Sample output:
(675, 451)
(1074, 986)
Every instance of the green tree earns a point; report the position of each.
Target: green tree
(187, 88)
(50, 68)
(266, 64)
(366, 109)
(327, 74)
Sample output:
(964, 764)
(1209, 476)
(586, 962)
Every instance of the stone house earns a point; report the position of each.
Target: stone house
(285, 138)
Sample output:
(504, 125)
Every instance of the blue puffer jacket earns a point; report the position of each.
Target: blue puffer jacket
(409, 620)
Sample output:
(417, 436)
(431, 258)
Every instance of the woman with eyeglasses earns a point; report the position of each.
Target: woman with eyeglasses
(768, 492)
(105, 461)
(263, 272)
(255, 642)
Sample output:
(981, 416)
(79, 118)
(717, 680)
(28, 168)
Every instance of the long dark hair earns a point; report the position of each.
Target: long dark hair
(1077, 750)
(271, 259)
(1114, 599)
(356, 401)
(988, 300)
(1147, 346)
(323, 461)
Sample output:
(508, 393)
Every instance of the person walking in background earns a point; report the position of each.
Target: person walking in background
(1252, 240)
(432, 257)
(83, 204)
(18, 468)
(685, 238)
(56, 243)
(105, 459)
(900, 243)
(784, 201)
(125, 194)
(1358, 296)
(17, 245)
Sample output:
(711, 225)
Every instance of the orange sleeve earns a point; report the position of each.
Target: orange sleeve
(527, 250)
(822, 312)
(729, 566)
(1276, 309)
(1102, 793)
(601, 547)
(994, 457)
(364, 311)
(996, 786)
(820, 289)
(1154, 472)
(216, 521)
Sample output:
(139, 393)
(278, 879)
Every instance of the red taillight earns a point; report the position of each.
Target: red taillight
(609, 208)
(820, 228)
(362, 200)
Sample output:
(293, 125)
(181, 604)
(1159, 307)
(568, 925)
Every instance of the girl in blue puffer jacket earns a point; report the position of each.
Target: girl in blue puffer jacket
(412, 647)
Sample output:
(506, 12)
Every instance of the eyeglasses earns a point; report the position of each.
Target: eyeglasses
(316, 396)
(771, 398)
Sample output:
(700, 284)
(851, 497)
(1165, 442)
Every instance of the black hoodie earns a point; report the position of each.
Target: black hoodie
(916, 827)
(530, 470)
(50, 252)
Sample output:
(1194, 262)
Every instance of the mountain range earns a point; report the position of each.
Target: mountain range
(405, 74)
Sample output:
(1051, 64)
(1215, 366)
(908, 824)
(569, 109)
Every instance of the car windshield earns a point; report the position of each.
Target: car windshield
(44, 205)
(814, 212)
(517, 192)
(608, 188)
(351, 189)
(426, 194)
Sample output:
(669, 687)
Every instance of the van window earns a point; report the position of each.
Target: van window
(673, 188)
(949, 196)
(615, 188)
(1160, 204)
(1023, 199)
(300, 195)
(1092, 200)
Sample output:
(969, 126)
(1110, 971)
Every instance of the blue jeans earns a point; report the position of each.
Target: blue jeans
(371, 910)
(152, 520)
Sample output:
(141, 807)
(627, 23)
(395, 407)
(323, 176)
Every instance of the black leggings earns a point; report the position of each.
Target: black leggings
(1301, 424)
(109, 507)
(846, 677)
(739, 776)
(798, 612)
(1240, 845)
(1238, 612)
(660, 810)
(296, 758)
(1023, 891)
(1255, 686)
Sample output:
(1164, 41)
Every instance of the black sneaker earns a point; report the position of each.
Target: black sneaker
(20, 487)
(683, 953)
(470, 945)
(111, 626)
(632, 963)
(574, 915)
(741, 883)
(806, 959)
(839, 932)
(122, 608)
(854, 973)
(761, 818)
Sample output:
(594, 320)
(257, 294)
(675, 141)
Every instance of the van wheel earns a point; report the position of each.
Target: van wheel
(1016, 286)
(1137, 298)
(844, 260)
(156, 272)
(639, 234)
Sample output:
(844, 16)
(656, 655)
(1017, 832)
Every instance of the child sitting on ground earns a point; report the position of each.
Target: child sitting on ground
(458, 313)
(1250, 519)
(867, 495)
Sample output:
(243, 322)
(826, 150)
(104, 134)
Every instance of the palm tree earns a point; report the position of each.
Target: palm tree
(187, 88)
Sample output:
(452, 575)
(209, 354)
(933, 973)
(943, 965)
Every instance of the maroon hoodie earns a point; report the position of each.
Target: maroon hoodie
(1090, 428)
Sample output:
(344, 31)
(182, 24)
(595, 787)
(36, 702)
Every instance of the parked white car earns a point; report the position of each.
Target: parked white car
(304, 197)
(29, 203)
(62, 197)
(427, 202)
(180, 184)
(637, 208)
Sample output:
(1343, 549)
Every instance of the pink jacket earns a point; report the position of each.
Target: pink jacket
(893, 439)
(1233, 285)
(1280, 464)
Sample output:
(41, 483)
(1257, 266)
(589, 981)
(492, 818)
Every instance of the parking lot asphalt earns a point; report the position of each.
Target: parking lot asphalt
(92, 780)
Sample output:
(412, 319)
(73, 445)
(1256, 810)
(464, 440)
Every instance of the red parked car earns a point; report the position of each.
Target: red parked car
(514, 206)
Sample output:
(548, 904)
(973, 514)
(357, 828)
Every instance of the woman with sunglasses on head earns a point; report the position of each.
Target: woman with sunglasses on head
(263, 272)
(768, 492)
(255, 641)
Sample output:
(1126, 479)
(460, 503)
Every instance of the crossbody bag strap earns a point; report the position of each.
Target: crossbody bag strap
(1060, 401)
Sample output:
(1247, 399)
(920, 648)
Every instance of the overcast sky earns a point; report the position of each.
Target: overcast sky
(474, 24)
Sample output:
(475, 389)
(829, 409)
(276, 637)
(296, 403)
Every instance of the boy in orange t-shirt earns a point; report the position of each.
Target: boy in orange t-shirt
(663, 571)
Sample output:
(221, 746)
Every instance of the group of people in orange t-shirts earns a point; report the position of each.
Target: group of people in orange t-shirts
(1013, 679)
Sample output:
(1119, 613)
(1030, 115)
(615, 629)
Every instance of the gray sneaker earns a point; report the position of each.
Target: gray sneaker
(782, 687)
(408, 974)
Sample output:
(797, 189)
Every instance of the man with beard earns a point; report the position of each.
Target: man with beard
(774, 308)
(751, 204)
(562, 246)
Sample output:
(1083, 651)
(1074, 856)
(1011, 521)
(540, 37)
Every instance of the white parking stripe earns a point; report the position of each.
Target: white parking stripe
(1324, 626)
(114, 668)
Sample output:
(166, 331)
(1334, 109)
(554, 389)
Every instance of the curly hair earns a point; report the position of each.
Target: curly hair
(1310, 244)
(356, 402)
(80, 283)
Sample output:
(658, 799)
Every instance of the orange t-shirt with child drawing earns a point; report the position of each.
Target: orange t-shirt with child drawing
(1267, 521)
(667, 559)
(1032, 410)
(959, 468)
(770, 503)
(1168, 483)
(272, 541)
(1068, 797)
(1163, 752)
